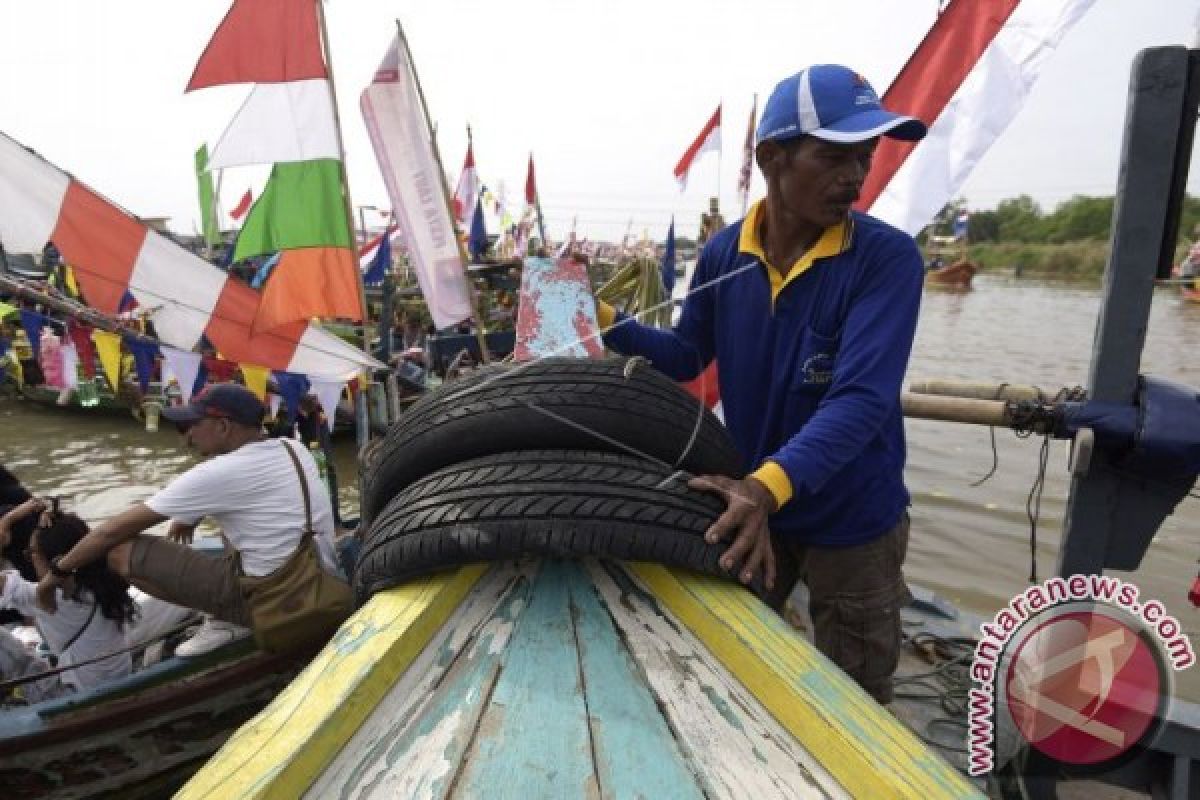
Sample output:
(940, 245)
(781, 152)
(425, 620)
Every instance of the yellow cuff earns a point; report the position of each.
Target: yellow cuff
(606, 315)
(776, 480)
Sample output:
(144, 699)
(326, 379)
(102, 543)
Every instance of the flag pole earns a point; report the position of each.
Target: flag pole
(720, 151)
(462, 251)
(346, 202)
(537, 205)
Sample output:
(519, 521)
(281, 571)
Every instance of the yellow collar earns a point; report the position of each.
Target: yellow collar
(833, 241)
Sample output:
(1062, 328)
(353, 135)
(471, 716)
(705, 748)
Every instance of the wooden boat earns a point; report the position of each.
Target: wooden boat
(956, 276)
(545, 678)
(142, 736)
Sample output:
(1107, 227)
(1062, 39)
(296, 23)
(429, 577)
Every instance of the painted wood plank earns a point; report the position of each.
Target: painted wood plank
(556, 315)
(533, 740)
(282, 750)
(735, 747)
(412, 744)
(863, 746)
(635, 753)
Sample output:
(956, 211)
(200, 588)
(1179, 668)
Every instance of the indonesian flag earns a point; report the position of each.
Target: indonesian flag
(968, 79)
(709, 139)
(466, 196)
(242, 206)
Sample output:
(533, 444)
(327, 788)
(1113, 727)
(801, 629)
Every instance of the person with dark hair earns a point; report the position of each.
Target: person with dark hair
(12, 494)
(94, 609)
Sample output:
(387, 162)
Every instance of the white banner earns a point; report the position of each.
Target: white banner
(399, 133)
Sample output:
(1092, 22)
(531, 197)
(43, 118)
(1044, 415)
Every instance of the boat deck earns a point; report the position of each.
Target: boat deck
(573, 679)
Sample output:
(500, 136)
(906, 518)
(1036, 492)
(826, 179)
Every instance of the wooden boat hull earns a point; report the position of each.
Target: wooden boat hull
(142, 736)
(956, 276)
(573, 679)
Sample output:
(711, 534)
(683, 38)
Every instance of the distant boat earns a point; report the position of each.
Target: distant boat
(956, 276)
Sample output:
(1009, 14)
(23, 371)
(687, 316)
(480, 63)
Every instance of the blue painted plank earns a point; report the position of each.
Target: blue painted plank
(533, 740)
(636, 754)
(453, 709)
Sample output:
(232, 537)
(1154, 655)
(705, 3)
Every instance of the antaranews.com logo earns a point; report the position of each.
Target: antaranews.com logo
(1080, 667)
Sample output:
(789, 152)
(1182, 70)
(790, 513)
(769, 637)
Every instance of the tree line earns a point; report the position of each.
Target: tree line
(1022, 219)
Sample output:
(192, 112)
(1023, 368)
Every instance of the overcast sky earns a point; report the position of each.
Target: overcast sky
(606, 94)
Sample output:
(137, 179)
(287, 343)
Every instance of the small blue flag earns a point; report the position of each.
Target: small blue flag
(292, 387)
(478, 239)
(380, 263)
(668, 260)
(32, 321)
(144, 352)
(961, 221)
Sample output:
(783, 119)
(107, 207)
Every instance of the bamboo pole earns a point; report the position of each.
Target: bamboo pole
(981, 391)
(462, 251)
(69, 307)
(346, 201)
(993, 413)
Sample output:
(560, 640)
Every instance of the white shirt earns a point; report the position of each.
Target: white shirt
(101, 636)
(254, 494)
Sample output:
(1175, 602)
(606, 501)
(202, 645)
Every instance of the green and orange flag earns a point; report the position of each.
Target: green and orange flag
(287, 121)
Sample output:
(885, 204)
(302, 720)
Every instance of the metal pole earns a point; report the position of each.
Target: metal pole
(348, 204)
(1110, 518)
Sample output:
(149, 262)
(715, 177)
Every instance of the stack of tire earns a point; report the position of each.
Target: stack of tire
(559, 457)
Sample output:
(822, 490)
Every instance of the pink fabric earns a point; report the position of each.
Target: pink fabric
(51, 360)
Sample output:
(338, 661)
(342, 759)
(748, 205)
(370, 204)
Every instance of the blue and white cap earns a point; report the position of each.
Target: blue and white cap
(833, 103)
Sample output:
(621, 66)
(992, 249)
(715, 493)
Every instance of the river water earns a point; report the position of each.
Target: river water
(969, 543)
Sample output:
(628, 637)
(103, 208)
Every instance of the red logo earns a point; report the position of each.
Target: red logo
(1084, 688)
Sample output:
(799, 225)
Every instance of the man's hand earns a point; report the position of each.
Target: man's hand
(46, 592)
(180, 532)
(748, 503)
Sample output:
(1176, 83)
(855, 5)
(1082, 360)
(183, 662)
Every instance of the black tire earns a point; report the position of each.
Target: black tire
(564, 503)
(551, 403)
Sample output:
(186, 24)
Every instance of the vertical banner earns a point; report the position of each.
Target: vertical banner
(208, 199)
(399, 133)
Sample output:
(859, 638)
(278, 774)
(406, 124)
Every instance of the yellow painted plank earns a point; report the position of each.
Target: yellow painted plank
(861, 744)
(281, 751)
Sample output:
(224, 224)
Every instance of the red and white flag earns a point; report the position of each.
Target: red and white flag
(967, 79)
(708, 140)
(113, 254)
(242, 206)
(530, 184)
(466, 195)
(747, 170)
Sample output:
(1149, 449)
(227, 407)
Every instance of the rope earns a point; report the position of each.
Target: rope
(948, 683)
(9, 685)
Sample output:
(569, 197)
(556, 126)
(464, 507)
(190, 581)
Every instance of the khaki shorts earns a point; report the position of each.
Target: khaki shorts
(178, 574)
(855, 597)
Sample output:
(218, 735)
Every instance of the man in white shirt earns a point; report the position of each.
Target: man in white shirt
(249, 486)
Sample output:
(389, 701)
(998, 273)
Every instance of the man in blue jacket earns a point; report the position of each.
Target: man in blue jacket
(809, 309)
